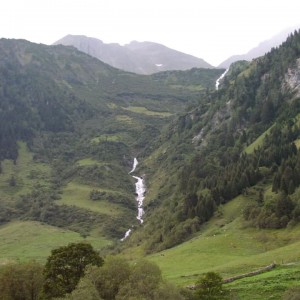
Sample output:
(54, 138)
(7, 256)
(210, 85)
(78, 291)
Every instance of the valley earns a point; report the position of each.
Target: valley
(69, 167)
(197, 171)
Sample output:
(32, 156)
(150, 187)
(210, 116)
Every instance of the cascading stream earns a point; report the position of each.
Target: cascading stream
(220, 78)
(140, 190)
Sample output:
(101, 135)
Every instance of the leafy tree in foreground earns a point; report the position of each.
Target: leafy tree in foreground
(143, 282)
(209, 287)
(66, 265)
(117, 279)
(21, 281)
(108, 279)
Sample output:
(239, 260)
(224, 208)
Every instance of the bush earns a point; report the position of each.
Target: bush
(209, 287)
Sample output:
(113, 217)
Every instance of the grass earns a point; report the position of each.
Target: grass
(88, 162)
(258, 142)
(269, 285)
(125, 119)
(226, 246)
(27, 173)
(192, 88)
(78, 194)
(105, 138)
(26, 240)
(145, 111)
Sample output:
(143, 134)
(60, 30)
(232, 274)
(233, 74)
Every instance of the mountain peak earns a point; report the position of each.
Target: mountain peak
(261, 49)
(138, 57)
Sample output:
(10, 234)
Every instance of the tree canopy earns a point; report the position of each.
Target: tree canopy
(66, 265)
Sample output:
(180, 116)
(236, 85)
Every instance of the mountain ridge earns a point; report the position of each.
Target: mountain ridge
(136, 57)
(222, 167)
(205, 160)
(85, 120)
(261, 49)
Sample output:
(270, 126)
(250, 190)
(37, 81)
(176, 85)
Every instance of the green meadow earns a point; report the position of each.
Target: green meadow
(269, 285)
(228, 246)
(78, 195)
(25, 171)
(28, 240)
(145, 111)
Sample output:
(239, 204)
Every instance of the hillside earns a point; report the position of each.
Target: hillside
(260, 49)
(136, 57)
(221, 167)
(70, 128)
(239, 137)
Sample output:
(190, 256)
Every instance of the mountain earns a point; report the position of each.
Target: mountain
(242, 139)
(70, 128)
(136, 57)
(260, 50)
(221, 167)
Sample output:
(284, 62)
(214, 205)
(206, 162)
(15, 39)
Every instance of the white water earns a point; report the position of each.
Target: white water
(220, 78)
(135, 163)
(127, 233)
(140, 190)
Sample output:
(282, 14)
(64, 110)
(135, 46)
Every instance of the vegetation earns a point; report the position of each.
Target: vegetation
(65, 266)
(210, 287)
(281, 283)
(21, 281)
(221, 166)
(203, 152)
(30, 240)
(70, 125)
(119, 280)
(76, 272)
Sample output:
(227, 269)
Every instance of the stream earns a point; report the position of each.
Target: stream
(140, 190)
(220, 78)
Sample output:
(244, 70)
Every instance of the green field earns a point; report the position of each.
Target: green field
(78, 194)
(88, 162)
(269, 285)
(26, 240)
(106, 138)
(226, 246)
(27, 173)
(145, 111)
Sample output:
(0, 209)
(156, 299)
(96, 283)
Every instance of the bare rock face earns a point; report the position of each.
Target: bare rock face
(292, 78)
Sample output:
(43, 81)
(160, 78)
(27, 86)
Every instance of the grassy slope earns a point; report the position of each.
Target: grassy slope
(269, 285)
(226, 246)
(26, 172)
(258, 142)
(144, 110)
(78, 194)
(25, 240)
(33, 240)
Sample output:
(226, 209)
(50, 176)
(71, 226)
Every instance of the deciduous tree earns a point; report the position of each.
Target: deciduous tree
(66, 265)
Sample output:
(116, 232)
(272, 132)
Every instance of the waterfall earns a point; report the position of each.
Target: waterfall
(140, 190)
(220, 78)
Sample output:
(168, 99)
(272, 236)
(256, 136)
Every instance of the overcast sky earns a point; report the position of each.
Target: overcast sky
(210, 29)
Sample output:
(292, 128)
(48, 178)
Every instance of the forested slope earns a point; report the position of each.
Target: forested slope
(70, 126)
(242, 135)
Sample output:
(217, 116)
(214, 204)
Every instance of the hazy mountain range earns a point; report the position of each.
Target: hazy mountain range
(149, 57)
(137, 57)
(259, 50)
